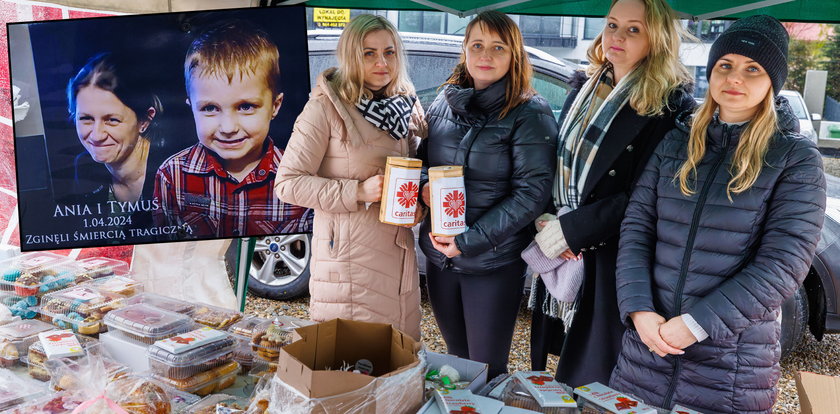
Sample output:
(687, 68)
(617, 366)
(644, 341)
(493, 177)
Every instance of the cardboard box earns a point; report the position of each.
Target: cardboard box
(311, 365)
(818, 394)
(472, 371)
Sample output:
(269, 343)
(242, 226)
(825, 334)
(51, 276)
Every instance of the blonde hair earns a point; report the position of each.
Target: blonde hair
(233, 47)
(661, 71)
(519, 74)
(749, 155)
(349, 80)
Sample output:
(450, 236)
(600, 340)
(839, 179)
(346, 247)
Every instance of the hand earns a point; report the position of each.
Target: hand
(676, 333)
(426, 194)
(647, 325)
(568, 255)
(445, 245)
(370, 191)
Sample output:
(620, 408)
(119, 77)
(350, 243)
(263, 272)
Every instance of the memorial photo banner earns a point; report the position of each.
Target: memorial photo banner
(155, 128)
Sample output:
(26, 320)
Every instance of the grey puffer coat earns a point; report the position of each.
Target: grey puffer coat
(730, 265)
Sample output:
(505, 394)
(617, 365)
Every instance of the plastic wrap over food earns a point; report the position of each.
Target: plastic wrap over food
(383, 396)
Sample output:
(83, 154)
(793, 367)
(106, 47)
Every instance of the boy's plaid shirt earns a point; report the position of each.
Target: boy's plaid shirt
(197, 194)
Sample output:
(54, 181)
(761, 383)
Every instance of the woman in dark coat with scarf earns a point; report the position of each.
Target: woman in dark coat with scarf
(637, 86)
(721, 229)
(489, 119)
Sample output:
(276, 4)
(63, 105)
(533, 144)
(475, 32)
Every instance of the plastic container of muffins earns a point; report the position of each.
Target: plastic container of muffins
(166, 361)
(215, 317)
(162, 302)
(80, 308)
(207, 382)
(97, 267)
(268, 338)
(22, 307)
(19, 335)
(148, 324)
(35, 273)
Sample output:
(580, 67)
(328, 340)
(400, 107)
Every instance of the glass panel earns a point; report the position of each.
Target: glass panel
(553, 90)
(592, 26)
(428, 73)
(455, 24)
(529, 24)
(433, 22)
(410, 22)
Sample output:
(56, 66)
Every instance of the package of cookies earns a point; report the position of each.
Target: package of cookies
(212, 403)
(36, 356)
(118, 285)
(246, 327)
(148, 324)
(162, 302)
(139, 395)
(207, 382)
(15, 390)
(35, 273)
(185, 355)
(80, 308)
(96, 267)
(268, 338)
(17, 336)
(538, 391)
(215, 317)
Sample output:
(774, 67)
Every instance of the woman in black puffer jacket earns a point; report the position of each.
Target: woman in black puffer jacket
(721, 229)
(489, 119)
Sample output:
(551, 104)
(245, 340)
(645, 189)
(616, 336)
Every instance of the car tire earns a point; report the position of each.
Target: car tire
(794, 318)
(280, 266)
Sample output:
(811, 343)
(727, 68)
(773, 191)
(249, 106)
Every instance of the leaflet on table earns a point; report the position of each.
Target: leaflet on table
(190, 340)
(60, 344)
(612, 400)
(547, 391)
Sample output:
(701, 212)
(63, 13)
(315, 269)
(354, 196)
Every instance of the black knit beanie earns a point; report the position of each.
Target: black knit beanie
(761, 38)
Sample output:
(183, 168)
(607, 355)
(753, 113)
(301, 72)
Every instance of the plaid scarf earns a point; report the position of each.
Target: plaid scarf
(392, 114)
(594, 109)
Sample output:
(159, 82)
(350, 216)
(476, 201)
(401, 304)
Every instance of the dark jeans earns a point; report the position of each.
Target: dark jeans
(477, 313)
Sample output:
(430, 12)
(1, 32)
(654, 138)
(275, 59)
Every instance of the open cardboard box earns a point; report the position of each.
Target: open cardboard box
(311, 365)
(818, 394)
(472, 371)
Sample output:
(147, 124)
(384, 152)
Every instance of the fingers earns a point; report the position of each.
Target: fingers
(568, 255)
(664, 347)
(541, 223)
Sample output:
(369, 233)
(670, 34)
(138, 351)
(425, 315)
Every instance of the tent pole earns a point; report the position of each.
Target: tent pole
(739, 9)
(440, 7)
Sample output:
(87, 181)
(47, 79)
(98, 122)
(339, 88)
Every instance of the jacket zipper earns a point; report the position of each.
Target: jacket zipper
(692, 234)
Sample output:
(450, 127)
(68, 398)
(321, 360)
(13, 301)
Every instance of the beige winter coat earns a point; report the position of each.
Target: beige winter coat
(361, 269)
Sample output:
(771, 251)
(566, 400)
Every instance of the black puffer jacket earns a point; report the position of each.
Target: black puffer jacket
(730, 265)
(508, 171)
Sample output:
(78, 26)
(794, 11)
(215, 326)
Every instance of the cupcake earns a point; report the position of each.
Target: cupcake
(9, 354)
(27, 284)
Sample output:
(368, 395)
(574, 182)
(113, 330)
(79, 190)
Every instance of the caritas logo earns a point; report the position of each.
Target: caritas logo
(454, 204)
(407, 194)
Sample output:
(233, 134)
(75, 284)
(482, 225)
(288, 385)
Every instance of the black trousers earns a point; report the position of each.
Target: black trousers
(477, 313)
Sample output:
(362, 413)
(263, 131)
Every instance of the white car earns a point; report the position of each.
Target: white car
(806, 124)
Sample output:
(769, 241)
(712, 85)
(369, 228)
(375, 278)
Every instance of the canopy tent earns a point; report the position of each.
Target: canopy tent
(823, 11)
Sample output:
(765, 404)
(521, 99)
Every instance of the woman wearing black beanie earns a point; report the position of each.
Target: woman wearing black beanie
(720, 230)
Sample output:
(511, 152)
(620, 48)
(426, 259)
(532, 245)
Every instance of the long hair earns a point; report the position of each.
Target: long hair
(661, 71)
(519, 74)
(349, 80)
(749, 155)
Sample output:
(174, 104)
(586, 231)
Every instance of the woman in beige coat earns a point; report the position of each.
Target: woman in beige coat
(358, 114)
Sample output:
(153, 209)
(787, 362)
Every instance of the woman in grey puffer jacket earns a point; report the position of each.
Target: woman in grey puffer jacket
(721, 229)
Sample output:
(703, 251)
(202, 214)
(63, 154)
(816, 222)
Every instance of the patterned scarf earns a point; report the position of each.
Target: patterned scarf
(391, 114)
(594, 109)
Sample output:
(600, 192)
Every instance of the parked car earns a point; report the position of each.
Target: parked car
(280, 267)
(806, 124)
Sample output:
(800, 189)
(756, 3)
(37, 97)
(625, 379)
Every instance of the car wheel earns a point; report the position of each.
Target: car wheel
(280, 267)
(794, 319)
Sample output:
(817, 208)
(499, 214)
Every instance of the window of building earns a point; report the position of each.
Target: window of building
(592, 26)
(701, 84)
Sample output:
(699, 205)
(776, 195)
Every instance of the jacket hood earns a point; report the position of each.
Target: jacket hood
(469, 102)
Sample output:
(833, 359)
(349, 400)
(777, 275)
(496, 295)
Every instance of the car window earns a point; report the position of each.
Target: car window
(554, 90)
(428, 73)
(798, 106)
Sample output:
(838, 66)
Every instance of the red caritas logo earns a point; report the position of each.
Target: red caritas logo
(454, 204)
(540, 379)
(625, 403)
(407, 194)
